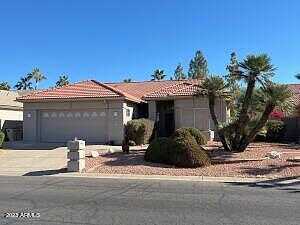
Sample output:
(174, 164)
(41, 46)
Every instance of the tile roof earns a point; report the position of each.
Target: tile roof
(295, 88)
(134, 91)
(84, 89)
(179, 89)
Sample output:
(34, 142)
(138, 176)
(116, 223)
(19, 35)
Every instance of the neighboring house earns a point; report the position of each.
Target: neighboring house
(292, 122)
(11, 111)
(97, 112)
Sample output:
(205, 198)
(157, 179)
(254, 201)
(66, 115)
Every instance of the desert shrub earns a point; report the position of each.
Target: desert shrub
(196, 133)
(139, 131)
(181, 150)
(158, 150)
(275, 130)
(2, 137)
(186, 152)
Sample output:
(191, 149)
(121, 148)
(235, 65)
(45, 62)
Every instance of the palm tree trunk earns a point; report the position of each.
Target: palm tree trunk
(211, 103)
(244, 118)
(260, 124)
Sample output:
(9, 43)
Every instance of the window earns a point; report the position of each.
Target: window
(94, 114)
(77, 115)
(45, 115)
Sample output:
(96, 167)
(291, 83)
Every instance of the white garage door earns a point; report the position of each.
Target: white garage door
(61, 126)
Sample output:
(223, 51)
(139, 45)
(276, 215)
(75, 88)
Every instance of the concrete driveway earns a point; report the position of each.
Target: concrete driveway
(25, 159)
(33, 162)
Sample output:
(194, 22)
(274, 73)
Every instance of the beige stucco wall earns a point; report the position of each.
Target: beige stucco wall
(114, 117)
(194, 112)
(7, 114)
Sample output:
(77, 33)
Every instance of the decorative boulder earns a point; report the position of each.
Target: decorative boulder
(273, 155)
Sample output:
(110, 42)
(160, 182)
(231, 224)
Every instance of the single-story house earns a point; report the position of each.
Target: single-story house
(97, 112)
(11, 111)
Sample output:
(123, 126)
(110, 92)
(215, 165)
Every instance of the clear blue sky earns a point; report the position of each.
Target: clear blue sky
(115, 39)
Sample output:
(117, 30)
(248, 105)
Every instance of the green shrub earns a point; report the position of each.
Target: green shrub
(186, 152)
(158, 150)
(275, 130)
(196, 133)
(180, 150)
(2, 137)
(139, 131)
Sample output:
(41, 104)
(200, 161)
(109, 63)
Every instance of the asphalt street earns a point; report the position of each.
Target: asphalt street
(58, 200)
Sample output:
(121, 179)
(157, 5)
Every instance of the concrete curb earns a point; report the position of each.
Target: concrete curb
(164, 177)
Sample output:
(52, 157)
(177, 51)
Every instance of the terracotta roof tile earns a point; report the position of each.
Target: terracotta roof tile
(295, 88)
(134, 91)
(84, 89)
(180, 89)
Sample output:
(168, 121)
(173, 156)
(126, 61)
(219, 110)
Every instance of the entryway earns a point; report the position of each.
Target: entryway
(165, 118)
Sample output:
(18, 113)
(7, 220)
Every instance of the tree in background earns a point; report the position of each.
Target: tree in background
(158, 75)
(297, 76)
(198, 67)
(255, 72)
(4, 86)
(128, 80)
(233, 84)
(24, 83)
(178, 73)
(63, 80)
(38, 76)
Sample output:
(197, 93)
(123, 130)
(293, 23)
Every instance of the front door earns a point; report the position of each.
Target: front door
(166, 122)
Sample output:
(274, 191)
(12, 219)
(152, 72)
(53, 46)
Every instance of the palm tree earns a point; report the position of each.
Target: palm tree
(38, 76)
(62, 81)
(158, 75)
(236, 135)
(4, 86)
(24, 83)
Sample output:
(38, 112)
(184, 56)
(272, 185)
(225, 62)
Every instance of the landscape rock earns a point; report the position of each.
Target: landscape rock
(95, 154)
(273, 155)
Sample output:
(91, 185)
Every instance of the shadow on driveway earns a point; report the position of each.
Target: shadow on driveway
(45, 172)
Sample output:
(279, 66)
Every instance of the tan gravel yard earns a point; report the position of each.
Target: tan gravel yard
(246, 164)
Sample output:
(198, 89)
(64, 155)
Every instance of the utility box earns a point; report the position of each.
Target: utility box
(76, 156)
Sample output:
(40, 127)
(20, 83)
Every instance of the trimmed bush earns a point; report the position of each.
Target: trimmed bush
(196, 133)
(2, 137)
(275, 130)
(158, 150)
(181, 150)
(186, 152)
(139, 131)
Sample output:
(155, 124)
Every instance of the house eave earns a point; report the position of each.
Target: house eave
(75, 99)
(169, 97)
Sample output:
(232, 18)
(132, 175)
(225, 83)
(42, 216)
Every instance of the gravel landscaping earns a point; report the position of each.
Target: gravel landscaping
(251, 163)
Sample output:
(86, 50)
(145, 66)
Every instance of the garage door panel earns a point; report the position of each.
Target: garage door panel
(61, 126)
